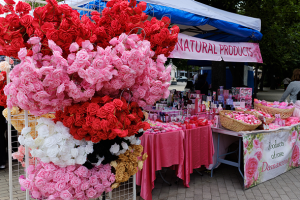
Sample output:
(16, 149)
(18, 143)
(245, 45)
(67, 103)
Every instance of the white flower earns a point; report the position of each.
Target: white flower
(50, 141)
(138, 142)
(25, 131)
(38, 141)
(74, 152)
(21, 139)
(53, 151)
(114, 148)
(55, 144)
(70, 162)
(89, 147)
(124, 145)
(80, 160)
(100, 159)
(29, 142)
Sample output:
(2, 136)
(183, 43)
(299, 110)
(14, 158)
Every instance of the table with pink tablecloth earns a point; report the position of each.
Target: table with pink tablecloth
(187, 150)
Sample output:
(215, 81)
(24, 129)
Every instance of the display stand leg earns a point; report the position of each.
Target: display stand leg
(103, 196)
(199, 172)
(212, 170)
(164, 178)
(240, 152)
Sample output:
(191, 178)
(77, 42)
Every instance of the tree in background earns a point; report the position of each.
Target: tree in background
(280, 23)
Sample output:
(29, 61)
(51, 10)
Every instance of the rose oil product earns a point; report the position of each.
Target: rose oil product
(198, 105)
(203, 107)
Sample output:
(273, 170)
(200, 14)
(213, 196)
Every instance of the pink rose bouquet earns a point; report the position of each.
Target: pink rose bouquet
(43, 84)
(46, 180)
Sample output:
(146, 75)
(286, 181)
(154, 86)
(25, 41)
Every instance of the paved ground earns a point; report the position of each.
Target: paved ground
(226, 184)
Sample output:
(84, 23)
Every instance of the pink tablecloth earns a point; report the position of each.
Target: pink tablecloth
(187, 150)
(198, 151)
(164, 150)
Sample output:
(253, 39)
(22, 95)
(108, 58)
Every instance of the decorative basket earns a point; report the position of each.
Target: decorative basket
(18, 120)
(235, 125)
(284, 113)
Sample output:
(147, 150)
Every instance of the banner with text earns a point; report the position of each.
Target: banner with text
(189, 47)
(267, 155)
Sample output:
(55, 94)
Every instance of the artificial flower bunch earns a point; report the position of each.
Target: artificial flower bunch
(18, 120)
(109, 150)
(46, 180)
(243, 117)
(64, 26)
(2, 85)
(103, 118)
(20, 156)
(44, 84)
(55, 144)
(128, 164)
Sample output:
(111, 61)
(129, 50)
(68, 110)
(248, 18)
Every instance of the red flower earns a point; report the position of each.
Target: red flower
(68, 121)
(96, 124)
(82, 133)
(89, 120)
(11, 2)
(118, 103)
(106, 99)
(92, 108)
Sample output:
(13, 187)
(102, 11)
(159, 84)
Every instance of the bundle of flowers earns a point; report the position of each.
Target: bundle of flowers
(128, 164)
(64, 26)
(18, 120)
(20, 156)
(55, 144)
(102, 118)
(46, 180)
(109, 150)
(44, 84)
(2, 84)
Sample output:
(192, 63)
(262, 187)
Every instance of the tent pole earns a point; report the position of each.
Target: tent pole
(255, 82)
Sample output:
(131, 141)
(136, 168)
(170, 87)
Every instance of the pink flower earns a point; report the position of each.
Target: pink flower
(99, 188)
(90, 193)
(258, 154)
(246, 144)
(36, 194)
(58, 176)
(25, 183)
(66, 195)
(22, 53)
(294, 135)
(111, 179)
(93, 180)
(60, 186)
(33, 40)
(40, 182)
(256, 143)
(85, 185)
(82, 56)
(295, 155)
(74, 47)
(251, 167)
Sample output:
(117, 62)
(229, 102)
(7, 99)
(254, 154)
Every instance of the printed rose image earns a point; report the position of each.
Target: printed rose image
(251, 169)
(256, 143)
(295, 156)
(258, 155)
(246, 144)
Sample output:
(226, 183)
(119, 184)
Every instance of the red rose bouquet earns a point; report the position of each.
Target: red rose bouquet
(103, 118)
(63, 25)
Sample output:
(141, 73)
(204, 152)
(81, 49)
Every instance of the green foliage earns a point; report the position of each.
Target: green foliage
(280, 25)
